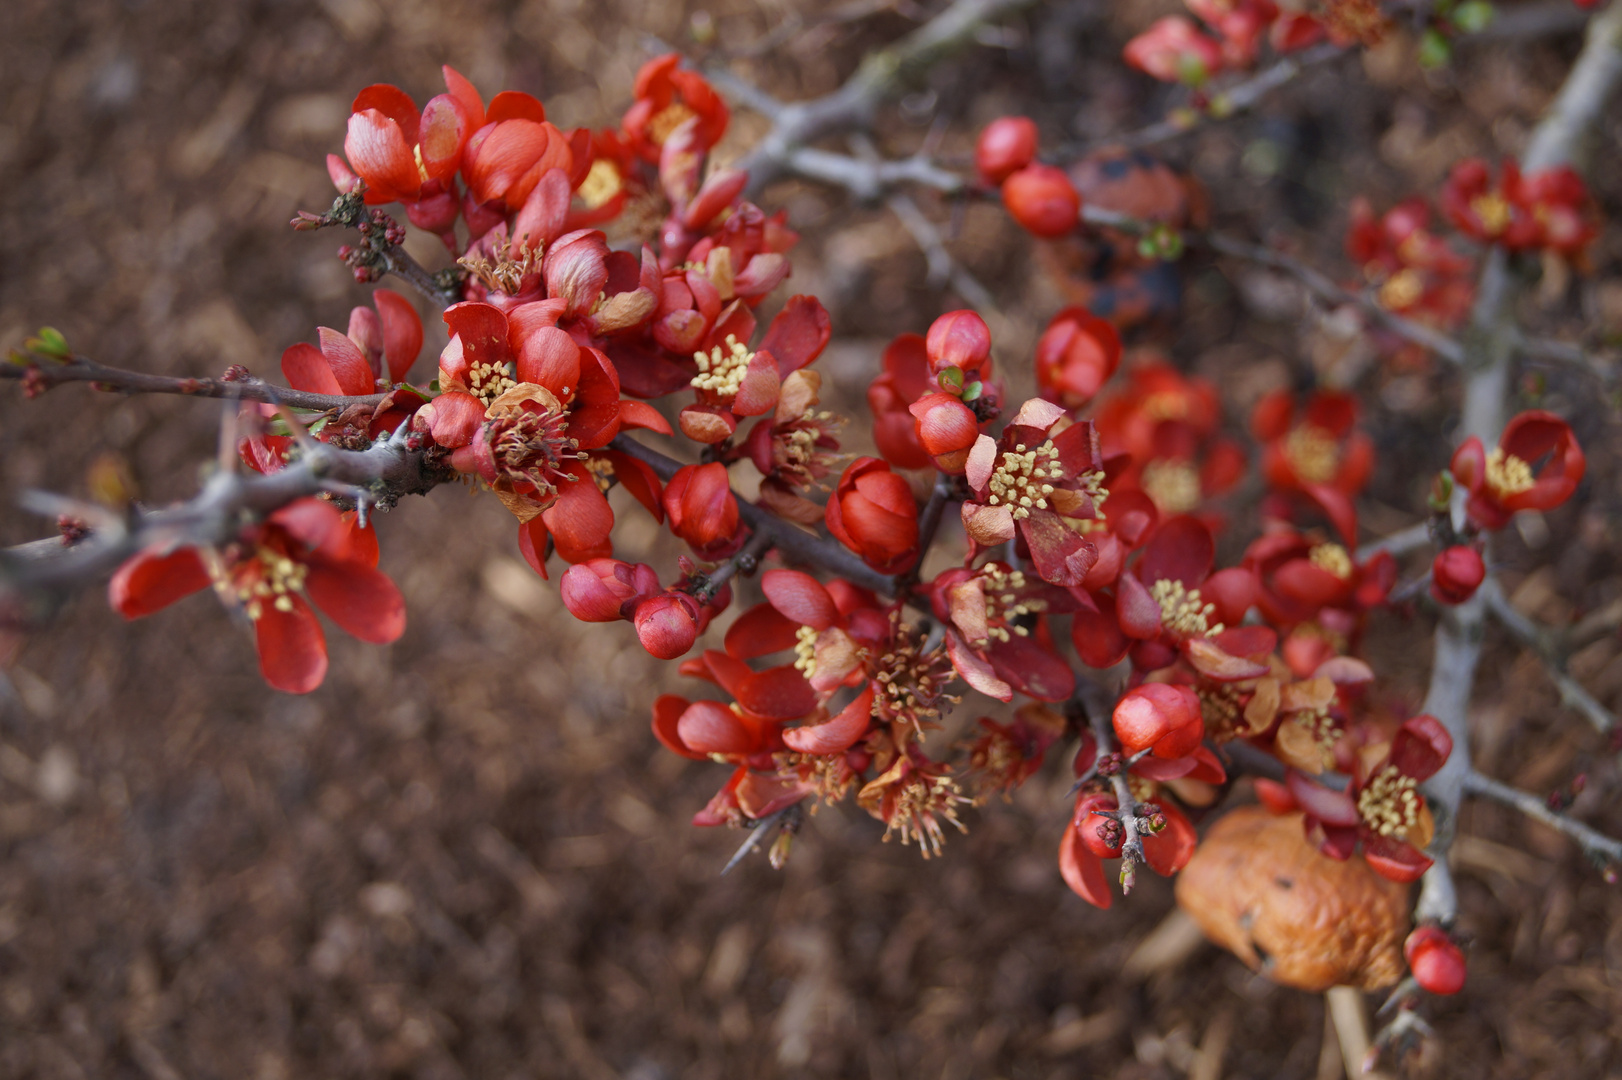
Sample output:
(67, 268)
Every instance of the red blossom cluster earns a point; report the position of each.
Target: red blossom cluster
(1228, 35)
(1089, 514)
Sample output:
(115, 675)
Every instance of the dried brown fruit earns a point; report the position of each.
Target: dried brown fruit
(1258, 889)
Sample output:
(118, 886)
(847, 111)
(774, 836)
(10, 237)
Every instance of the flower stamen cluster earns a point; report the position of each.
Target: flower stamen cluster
(1021, 477)
(1182, 610)
(1507, 474)
(265, 576)
(1389, 804)
(1314, 452)
(721, 372)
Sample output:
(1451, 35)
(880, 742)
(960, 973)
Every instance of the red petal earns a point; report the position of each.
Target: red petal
(801, 598)
(798, 334)
(1031, 669)
(1395, 859)
(837, 733)
(779, 693)
(514, 105)
(454, 418)
(760, 631)
(348, 364)
(532, 536)
(402, 332)
(150, 582)
(708, 727)
(975, 670)
(1421, 747)
(360, 599)
(580, 520)
(550, 358)
(305, 368)
(1329, 807)
(1182, 549)
(638, 414)
(667, 711)
(1169, 850)
(465, 95)
(1082, 870)
(381, 154)
(292, 648)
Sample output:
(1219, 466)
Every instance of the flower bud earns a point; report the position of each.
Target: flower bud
(1174, 50)
(1007, 145)
(606, 590)
(1075, 356)
(1160, 715)
(1437, 963)
(873, 513)
(1456, 573)
(959, 339)
(700, 506)
(1042, 199)
(945, 424)
(667, 625)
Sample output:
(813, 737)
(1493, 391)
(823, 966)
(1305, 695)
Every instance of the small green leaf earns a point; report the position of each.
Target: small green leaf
(49, 342)
(951, 380)
(973, 391)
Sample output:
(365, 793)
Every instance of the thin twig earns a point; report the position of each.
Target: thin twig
(1541, 641)
(879, 77)
(745, 561)
(1241, 97)
(1398, 543)
(756, 835)
(48, 373)
(1596, 845)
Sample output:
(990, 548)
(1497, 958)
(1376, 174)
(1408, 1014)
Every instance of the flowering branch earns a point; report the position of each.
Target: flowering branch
(44, 373)
(793, 543)
(1596, 845)
(384, 472)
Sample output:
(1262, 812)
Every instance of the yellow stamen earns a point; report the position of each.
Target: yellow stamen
(1313, 452)
(1181, 610)
(1333, 558)
(1507, 474)
(1173, 485)
(722, 373)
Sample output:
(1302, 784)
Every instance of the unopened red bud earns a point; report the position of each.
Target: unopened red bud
(1042, 199)
(945, 424)
(1160, 715)
(1456, 573)
(604, 590)
(1007, 145)
(667, 625)
(1110, 764)
(958, 339)
(1437, 963)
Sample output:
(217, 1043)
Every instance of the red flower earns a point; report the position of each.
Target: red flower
(666, 98)
(1536, 465)
(606, 590)
(1436, 960)
(1412, 269)
(1075, 356)
(873, 513)
(1322, 448)
(507, 157)
(398, 151)
(794, 449)
(992, 650)
(1007, 145)
(1381, 807)
(304, 553)
(1456, 574)
(1166, 425)
(1040, 482)
(1547, 209)
(1174, 50)
(1241, 24)
(1043, 200)
(1299, 575)
(702, 510)
(958, 340)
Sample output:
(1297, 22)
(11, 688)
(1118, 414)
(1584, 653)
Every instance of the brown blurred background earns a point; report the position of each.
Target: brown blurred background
(465, 855)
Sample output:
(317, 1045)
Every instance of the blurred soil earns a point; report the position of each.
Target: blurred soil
(466, 856)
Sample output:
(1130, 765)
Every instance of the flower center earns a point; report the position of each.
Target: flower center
(1173, 485)
(668, 119)
(805, 651)
(1333, 558)
(1493, 211)
(912, 683)
(602, 183)
(1313, 452)
(1165, 405)
(1219, 708)
(920, 804)
(1324, 731)
(1389, 805)
(505, 273)
(532, 448)
(1507, 474)
(1020, 480)
(1402, 290)
(487, 381)
(722, 373)
(1003, 604)
(265, 576)
(1181, 610)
